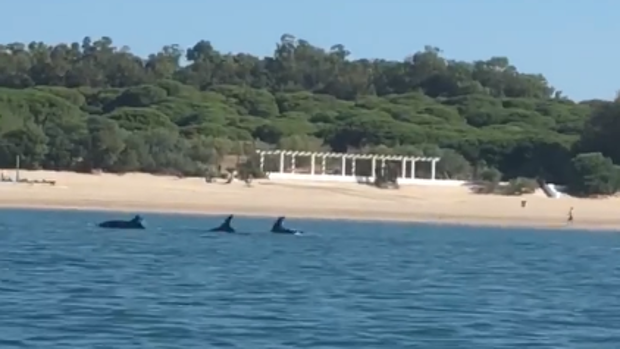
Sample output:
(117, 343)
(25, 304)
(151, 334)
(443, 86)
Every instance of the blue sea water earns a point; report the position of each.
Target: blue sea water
(64, 283)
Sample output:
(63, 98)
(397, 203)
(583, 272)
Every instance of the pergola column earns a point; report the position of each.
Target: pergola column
(344, 165)
(373, 166)
(312, 163)
(353, 160)
(281, 169)
(413, 161)
(293, 159)
(403, 167)
(433, 167)
(262, 161)
(323, 165)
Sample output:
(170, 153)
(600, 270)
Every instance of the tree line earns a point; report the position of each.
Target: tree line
(93, 105)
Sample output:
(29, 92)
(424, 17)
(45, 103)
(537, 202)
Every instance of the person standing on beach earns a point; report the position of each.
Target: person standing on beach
(569, 220)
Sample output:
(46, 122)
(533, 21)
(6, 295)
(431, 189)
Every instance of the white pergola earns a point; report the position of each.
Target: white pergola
(344, 157)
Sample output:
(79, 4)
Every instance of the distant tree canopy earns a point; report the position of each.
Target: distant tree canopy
(92, 105)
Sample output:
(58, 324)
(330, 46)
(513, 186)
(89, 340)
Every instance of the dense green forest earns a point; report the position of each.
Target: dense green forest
(93, 105)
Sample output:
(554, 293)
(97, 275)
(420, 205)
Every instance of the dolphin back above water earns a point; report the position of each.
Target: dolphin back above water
(225, 227)
(136, 222)
(279, 229)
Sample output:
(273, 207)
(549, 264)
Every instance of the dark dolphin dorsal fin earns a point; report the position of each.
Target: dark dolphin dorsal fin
(225, 226)
(277, 225)
(226, 223)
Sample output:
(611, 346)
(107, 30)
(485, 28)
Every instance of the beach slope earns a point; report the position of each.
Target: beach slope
(141, 193)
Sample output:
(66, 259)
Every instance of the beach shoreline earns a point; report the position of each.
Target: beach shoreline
(441, 221)
(142, 193)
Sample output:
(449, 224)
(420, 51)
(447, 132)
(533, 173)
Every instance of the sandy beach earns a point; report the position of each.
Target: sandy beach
(142, 193)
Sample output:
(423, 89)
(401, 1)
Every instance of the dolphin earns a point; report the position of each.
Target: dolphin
(225, 226)
(135, 223)
(279, 229)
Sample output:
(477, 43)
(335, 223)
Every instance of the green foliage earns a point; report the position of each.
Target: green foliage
(520, 186)
(250, 169)
(594, 174)
(90, 105)
(452, 165)
(491, 175)
(488, 181)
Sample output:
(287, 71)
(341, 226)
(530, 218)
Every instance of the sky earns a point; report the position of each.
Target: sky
(568, 41)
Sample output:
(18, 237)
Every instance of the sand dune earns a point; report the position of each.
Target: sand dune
(147, 193)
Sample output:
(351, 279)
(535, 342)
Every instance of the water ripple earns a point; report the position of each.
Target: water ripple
(66, 284)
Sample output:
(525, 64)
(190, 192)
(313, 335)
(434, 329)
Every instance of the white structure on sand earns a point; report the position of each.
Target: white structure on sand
(346, 167)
